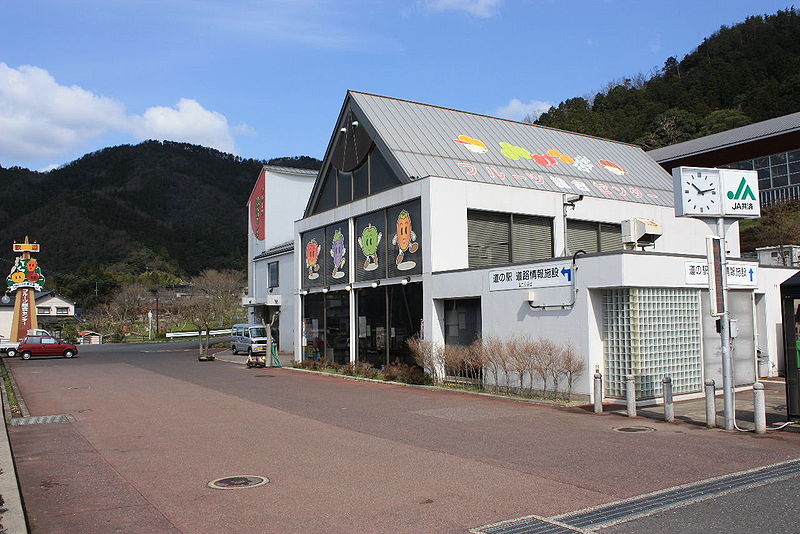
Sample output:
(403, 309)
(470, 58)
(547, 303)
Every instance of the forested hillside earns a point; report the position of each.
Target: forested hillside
(746, 73)
(153, 212)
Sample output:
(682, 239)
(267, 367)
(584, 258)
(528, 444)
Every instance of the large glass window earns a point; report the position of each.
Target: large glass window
(387, 317)
(345, 188)
(314, 326)
(776, 171)
(361, 181)
(372, 326)
(337, 326)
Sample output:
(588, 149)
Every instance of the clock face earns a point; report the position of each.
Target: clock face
(698, 192)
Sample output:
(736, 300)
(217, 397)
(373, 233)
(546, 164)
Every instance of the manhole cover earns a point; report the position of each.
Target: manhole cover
(634, 429)
(238, 482)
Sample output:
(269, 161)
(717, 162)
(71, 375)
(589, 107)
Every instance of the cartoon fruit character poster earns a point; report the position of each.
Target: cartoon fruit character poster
(369, 241)
(337, 252)
(25, 273)
(405, 241)
(312, 259)
(336, 240)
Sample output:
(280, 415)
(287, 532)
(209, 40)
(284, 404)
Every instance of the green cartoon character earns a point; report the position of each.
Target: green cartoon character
(369, 240)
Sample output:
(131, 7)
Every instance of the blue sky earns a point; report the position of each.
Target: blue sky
(267, 78)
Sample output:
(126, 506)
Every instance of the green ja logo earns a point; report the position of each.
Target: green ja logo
(743, 193)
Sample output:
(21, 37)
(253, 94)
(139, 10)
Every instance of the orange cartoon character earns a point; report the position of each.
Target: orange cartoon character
(406, 241)
(312, 257)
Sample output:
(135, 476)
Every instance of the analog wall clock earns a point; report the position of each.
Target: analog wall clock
(697, 192)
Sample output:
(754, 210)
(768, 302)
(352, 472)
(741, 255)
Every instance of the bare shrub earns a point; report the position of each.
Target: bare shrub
(519, 358)
(427, 355)
(493, 350)
(572, 366)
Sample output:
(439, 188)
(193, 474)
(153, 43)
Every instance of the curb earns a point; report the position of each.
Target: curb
(13, 514)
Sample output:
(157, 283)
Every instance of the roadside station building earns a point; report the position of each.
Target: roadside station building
(453, 226)
(277, 200)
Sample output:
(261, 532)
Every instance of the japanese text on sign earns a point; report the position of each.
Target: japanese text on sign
(530, 277)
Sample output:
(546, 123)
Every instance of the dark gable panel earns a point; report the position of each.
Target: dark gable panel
(313, 243)
(404, 226)
(337, 255)
(371, 238)
(327, 192)
(353, 143)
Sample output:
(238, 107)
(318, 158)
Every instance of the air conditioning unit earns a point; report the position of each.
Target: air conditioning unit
(640, 232)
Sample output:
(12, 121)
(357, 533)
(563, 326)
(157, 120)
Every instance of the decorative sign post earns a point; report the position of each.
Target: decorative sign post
(714, 195)
(25, 278)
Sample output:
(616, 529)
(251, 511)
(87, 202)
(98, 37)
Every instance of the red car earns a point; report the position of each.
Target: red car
(45, 346)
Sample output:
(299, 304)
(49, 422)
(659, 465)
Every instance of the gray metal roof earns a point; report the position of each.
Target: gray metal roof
(291, 170)
(424, 141)
(281, 248)
(736, 136)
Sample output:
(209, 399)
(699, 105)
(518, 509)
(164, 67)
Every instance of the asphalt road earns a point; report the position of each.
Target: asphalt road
(152, 428)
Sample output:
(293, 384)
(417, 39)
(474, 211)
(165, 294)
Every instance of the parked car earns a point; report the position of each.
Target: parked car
(11, 348)
(250, 338)
(45, 346)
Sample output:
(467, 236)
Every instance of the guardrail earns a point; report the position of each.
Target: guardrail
(195, 334)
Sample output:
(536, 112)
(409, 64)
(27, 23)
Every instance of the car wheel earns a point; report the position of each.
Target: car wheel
(11, 353)
(68, 354)
(26, 355)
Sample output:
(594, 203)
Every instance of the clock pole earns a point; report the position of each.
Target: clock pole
(725, 336)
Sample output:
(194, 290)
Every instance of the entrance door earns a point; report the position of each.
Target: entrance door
(462, 321)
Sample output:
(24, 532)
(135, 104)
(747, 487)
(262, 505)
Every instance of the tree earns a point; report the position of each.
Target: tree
(215, 301)
(723, 119)
(779, 225)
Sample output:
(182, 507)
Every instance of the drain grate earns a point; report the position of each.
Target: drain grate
(238, 482)
(634, 429)
(42, 420)
(609, 514)
(528, 525)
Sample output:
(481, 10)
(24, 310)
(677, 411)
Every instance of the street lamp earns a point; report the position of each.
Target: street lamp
(154, 291)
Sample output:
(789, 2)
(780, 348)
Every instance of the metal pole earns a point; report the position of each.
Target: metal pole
(711, 407)
(669, 407)
(630, 395)
(725, 337)
(759, 408)
(598, 392)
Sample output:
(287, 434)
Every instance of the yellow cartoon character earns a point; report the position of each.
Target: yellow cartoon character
(406, 241)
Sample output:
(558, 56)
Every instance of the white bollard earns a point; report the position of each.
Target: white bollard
(759, 408)
(598, 392)
(630, 395)
(669, 407)
(711, 407)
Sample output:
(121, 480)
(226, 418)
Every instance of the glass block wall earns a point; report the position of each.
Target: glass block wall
(651, 333)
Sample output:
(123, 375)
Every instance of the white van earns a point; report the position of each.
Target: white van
(249, 338)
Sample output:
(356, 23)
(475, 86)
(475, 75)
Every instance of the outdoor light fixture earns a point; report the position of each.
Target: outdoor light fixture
(270, 289)
(304, 292)
(342, 130)
(355, 123)
(375, 284)
(348, 287)
(405, 280)
(326, 289)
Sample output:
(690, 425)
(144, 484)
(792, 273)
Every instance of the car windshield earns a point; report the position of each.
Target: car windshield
(258, 332)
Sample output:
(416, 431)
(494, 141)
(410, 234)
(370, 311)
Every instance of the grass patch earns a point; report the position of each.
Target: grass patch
(13, 402)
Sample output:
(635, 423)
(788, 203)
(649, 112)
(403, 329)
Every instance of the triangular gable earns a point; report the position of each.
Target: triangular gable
(428, 140)
(353, 140)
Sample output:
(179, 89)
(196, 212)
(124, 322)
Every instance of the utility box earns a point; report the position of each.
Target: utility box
(640, 232)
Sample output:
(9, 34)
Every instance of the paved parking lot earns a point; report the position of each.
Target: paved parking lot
(152, 429)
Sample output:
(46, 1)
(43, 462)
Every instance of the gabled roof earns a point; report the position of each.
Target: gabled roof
(421, 140)
(729, 138)
(277, 250)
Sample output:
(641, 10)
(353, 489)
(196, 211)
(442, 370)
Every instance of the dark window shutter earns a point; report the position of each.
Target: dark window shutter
(531, 238)
(610, 237)
(488, 238)
(582, 235)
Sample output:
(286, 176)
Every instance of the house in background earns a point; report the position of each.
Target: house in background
(771, 147)
(278, 199)
(52, 310)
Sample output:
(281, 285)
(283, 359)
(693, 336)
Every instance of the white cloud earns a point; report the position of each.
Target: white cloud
(517, 110)
(188, 122)
(479, 8)
(40, 119)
